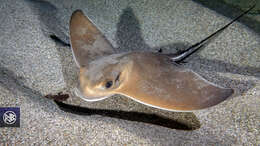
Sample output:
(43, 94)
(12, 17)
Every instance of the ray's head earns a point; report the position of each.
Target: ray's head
(105, 76)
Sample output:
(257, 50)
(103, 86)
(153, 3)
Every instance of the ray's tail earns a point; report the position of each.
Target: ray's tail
(180, 56)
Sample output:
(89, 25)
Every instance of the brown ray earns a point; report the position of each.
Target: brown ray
(153, 79)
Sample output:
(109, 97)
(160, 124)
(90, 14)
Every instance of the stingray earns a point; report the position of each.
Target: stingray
(151, 78)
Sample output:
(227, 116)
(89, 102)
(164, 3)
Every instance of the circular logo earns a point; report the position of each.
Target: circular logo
(9, 117)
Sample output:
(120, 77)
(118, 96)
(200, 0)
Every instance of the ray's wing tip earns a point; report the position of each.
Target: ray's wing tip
(225, 94)
(228, 93)
(222, 95)
(77, 12)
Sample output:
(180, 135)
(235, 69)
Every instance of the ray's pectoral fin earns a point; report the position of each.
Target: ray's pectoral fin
(189, 92)
(87, 41)
(166, 86)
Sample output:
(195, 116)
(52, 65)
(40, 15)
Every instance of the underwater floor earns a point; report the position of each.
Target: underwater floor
(33, 65)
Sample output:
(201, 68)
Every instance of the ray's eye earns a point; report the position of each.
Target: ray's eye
(109, 84)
